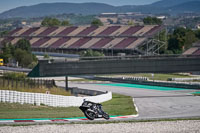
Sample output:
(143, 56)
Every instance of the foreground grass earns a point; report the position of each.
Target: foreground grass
(119, 105)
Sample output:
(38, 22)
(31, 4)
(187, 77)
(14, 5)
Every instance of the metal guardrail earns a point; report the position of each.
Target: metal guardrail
(75, 91)
(15, 69)
(139, 57)
(131, 57)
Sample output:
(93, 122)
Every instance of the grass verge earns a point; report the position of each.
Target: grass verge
(119, 105)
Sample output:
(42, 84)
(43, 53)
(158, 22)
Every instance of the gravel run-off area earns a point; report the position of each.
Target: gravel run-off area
(192, 126)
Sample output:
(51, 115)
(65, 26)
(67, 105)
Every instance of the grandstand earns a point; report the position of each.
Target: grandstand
(194, 50)
(103, 38)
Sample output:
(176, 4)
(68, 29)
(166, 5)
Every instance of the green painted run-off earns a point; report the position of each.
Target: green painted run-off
(144, 87)
(53, 118)
(196, 92)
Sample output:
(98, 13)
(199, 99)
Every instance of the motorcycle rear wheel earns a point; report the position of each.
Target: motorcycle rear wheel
(89, 115)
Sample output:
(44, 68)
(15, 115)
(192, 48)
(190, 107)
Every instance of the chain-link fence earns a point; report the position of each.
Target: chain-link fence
(26, 83)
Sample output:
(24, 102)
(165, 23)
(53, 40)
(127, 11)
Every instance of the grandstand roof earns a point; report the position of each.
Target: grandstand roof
(84, 37)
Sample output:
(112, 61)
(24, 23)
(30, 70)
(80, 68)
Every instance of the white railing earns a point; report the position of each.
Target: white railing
(49, 99)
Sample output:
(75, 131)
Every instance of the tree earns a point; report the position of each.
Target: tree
(175, 44)
(46, 56)
(27, 59)
(24, 45)
(152, 21)
(190, 38)
(110, 21)
(96, 22)
(65, 23)
(24, 58)
(19, 55)
(130, 22)
(91, 53)
(50, 22)
(7, 52)
(181, 39)
(197, 34)
(3, 33)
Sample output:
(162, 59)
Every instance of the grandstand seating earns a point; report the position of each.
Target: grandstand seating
(15, 40)
(59, 42)
(33, 40)
(14, 31)
(57, 31)
(84, 37)
(80, 42)
(101, 43)
(87, 31)
(66, 31)
(48, 31)
(153, 30)
(90, 43)
(120, 31)
(112, 43)
(136, 43)
(40, 42)
(77, 30)
(98, 31)
(49, 42)
(125, 43)
(68, 43)
(144, 30)
(131, 30)
(37, 32)
(29, 31)
(109, 30)
(8, 39)
(190, 51)
(197, 52)
(20, 32)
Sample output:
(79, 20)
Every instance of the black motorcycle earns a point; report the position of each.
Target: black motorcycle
(93, 110)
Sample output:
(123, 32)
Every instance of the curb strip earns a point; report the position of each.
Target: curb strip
(62, 119)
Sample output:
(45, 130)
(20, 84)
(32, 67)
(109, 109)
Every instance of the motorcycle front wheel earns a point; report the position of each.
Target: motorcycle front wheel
(89, 115)
(106, 116)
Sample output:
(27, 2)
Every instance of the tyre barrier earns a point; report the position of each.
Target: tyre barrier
(49, 99)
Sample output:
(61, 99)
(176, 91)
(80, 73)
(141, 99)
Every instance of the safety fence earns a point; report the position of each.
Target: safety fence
(189, 85)
(49, 99)
(183, 79)
(129, 78)
(26, 83)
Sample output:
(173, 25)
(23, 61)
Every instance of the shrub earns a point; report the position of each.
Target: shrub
(14, 75)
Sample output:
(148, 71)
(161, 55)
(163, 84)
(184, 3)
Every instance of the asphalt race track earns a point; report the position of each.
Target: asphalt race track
(154, 104)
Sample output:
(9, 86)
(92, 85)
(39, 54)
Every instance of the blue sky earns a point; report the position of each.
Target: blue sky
(9, 4)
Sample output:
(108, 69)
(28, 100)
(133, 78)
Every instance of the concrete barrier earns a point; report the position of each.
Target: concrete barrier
(49, 99)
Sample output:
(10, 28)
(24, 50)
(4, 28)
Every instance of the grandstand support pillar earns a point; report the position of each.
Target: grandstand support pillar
(66, 83)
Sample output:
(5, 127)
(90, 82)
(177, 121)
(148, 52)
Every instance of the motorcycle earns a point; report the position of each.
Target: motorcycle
(93, 110)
